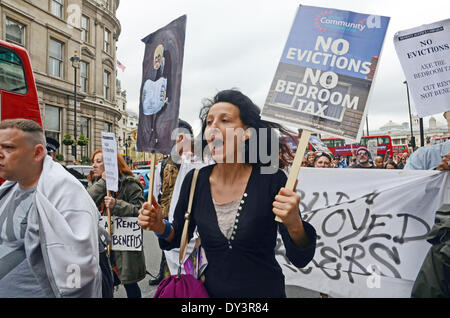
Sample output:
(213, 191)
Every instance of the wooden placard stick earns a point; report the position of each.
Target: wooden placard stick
(151, 178)
(108, 211)
(295, 168)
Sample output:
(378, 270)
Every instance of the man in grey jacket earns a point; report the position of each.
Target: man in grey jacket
(48, 222)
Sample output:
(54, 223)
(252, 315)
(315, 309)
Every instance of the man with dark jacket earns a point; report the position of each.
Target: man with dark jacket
(433, 279)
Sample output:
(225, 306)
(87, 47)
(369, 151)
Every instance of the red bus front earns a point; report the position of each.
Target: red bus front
(399, 149)
(338, 146)
(18, 94)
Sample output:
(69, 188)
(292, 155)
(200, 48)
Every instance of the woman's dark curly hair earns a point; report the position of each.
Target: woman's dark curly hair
(249, 113)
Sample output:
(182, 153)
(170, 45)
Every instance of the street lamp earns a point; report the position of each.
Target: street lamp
(127, 144)
(410, 119)
(75, 64)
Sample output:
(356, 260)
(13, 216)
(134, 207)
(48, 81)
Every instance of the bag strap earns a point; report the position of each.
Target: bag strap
(184, 235)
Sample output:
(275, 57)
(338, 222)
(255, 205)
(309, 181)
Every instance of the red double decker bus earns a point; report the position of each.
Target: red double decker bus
(439, 140)
(18, 94)
(399, 149)
(338, 146)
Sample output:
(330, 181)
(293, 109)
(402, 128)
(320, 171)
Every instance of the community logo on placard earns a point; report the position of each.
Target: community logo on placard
(330, 19)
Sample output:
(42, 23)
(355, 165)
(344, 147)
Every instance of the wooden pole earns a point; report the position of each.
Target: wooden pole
(151, 176)
(108, 211)
(295, 168)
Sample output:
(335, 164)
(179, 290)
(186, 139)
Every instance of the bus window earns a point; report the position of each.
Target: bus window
(12, 73)
(339, 143)
(439, 140)
(328, 143)
(363, 141)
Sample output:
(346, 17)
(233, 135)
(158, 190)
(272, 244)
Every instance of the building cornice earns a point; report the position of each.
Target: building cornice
(59, 89)
(85, 51)
(17, 11)
(107, 14)
(106, 108)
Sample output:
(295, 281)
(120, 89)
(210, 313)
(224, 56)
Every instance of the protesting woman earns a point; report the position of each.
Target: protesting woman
(129, 265)
(235, 203)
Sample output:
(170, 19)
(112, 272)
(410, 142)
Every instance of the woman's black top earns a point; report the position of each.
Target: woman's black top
(243, 266)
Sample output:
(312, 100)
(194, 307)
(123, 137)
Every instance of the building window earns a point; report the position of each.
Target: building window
(52, 122)
(107, 42)
(108, 127)
(84, 28)
(84, 74)
(57, 8)
(15, 32)
(85, 128)
(106, 84)
(56, 58)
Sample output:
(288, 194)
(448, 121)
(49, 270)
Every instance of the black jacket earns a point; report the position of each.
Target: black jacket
(245, 266)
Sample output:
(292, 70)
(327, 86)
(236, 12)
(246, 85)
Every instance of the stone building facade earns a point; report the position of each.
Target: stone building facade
(53, 31)
(401, 133)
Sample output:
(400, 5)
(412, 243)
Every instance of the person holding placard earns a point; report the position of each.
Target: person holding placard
(239, 244)
(168, 175)
(433, 279)
(129, 265)
(430, 157)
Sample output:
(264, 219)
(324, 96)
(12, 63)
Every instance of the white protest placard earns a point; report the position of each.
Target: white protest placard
(109, 148)
(372, 147)
(326, 71)
(371, 225)
(126, 233)
(318, 144)
(424, 54)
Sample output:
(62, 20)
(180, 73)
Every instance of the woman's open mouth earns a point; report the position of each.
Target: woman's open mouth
(215, 145)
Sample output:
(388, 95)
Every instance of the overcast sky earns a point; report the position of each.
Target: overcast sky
(238, 43)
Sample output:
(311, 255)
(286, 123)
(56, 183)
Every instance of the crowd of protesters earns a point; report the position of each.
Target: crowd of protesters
(362, 159)
(39, 211)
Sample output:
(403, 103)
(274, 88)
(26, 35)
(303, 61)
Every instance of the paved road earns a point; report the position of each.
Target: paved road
(153, 258)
